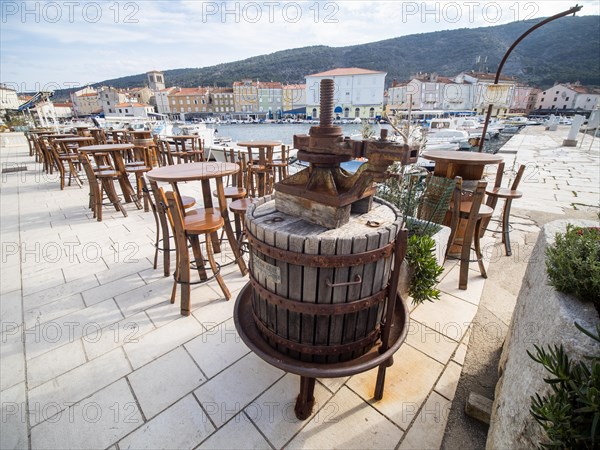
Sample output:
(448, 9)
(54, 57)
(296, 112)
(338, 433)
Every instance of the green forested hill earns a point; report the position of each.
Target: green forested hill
(564, 50)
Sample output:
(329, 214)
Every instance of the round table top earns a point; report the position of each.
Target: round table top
(106, 148)
(58, 136)
(259, 143)
(192, 171)
(75, 139)
(464, 158)
(42, 131)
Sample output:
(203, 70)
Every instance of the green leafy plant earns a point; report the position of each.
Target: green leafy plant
(570, 412)
(573, 263)
(421, 259)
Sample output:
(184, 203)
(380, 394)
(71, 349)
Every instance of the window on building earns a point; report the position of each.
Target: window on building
(564, 107)
(372, 112)
(181, 102)
(195, 101)
(108, 103)
(189, 109)
(556, 92)
(188, 101)
(542, 99)
(554, 99)
(196, 108)
(314, 113)
(357, 112)
(567, 99)
(346, 112)
(120, 111)
(553, 106)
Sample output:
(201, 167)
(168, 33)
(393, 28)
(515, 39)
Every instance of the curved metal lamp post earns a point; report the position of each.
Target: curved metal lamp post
(573, 10)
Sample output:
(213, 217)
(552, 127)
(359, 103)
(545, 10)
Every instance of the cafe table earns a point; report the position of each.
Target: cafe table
(204, 172)
(187, 146)
(468, 165)
(258, 162)
(116, 151)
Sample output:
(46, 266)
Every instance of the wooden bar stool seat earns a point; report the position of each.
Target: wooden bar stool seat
(187, 228)
(471, 210)
(508, 194)
(101, 182)
(138, 171)
(159, 211)
(238, 208)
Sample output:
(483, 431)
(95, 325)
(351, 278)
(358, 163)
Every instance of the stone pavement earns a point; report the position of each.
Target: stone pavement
(93, 355)
(559, 183)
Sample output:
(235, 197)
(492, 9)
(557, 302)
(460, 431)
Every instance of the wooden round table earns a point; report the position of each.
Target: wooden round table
(204, 172)
(260, 165)
(193, 151)
(116, 151)
(468, 165)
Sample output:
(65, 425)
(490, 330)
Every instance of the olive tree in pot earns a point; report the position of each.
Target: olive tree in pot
(423, 204)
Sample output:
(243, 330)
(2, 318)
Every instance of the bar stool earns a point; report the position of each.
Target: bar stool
(508, 194)
(237, 189)
(471, 209)
(63, 154)
(279, 166)
(187, 228)
(160, 213)
(101, 182)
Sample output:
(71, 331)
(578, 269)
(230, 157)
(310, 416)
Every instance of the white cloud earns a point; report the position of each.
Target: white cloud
(132, 37)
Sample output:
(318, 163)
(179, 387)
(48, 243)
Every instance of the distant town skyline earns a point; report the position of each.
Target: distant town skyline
(57, 45)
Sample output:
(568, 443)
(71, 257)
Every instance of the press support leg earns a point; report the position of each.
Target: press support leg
(306, 399)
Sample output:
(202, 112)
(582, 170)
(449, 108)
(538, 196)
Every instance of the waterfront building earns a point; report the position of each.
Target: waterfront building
(245, 95)
(189, 101)
(8, 99)
(482, 94)
(109, 98)
(358, 93)
(222, 102)
(430, 92)
(130, 109)
(293, 99)
(523, 99)
(86, 102)
(269, 100)
(568, 97)
(162, 100)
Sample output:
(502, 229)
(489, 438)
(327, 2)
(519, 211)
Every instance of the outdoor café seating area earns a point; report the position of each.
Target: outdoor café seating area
(149, 241)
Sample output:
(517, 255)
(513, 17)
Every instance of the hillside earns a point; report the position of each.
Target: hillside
(564, 50)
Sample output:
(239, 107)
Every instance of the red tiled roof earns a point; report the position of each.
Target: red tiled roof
(345, 71)
(189, 91)
(579, 89)
(91, 94)
(269, 85)
(63, 105)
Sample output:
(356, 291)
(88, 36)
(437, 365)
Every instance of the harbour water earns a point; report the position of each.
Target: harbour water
(285, 133)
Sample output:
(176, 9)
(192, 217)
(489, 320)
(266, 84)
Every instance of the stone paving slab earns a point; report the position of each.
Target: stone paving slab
(87, 327)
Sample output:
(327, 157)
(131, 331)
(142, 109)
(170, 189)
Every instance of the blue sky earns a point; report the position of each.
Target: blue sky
(59, 44)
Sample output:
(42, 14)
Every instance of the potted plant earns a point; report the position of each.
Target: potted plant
(405, 188)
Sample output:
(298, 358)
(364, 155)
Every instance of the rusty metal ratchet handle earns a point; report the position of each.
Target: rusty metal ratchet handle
(357, 280)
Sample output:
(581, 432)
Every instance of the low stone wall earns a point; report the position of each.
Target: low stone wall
(542, 316)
